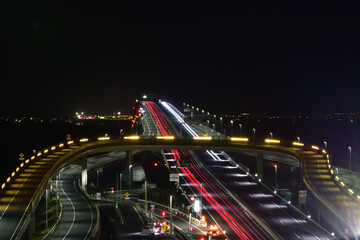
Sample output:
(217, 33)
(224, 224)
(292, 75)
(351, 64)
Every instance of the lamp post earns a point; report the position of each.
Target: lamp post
(325, 145)
(298, 138)
(130, 176)
(271, 135)
(171, 227)
(349, 158)
(145, 207)
(189, 223)
(240, 128)
(207, 126)
(276, 184)
(97, 177)
(232, 127)
(120, 184)
(46, 203)
(254, 131)
(221, 127)
(201, 193)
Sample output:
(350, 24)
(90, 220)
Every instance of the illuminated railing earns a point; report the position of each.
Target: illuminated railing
(247, 141)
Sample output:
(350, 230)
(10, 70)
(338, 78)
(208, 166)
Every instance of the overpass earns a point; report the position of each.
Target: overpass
(22, 191)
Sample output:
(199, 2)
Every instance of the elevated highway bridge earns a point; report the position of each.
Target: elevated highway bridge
(22, 191)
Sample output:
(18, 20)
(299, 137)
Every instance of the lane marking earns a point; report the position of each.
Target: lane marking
(72, 205)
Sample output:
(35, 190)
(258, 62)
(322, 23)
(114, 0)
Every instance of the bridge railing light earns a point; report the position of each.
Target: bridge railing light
(324, 151)
(3, 185)
(46, 150)
(84, 140)
(337, 178)
(39, 154)
(331, 171)
(53, 148)
(61, 145)
(239, 139)
(17, 169)
(8, 179)
(103, 138)
(315, 147)
(134, 137)
(351, 191)
(22, 164)
(70, 142)
(166, 137)
(202, 138)
(270, 140)
(13, 174)
(299, 144)
(27, 161)
(342, 184)
(32, 158)
(358, 197)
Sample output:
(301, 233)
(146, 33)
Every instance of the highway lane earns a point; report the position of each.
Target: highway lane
(286, 222)
(215, 198)
(17, 204)
(283, 219)
(79, 214)
(345, 211)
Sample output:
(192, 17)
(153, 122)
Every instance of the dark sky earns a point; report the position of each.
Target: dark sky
(99, 56)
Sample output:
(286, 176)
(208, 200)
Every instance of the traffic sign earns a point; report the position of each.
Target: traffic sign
(98, 196)
(174, 177)
(302, 196)
(68, 136)
(127, 196)
(21, 157)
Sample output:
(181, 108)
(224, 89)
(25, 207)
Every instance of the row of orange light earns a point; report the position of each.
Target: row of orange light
(342, 184)
(44, 152)
(32, 158)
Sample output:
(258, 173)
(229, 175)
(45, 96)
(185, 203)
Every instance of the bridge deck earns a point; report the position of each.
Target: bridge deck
(21, 194)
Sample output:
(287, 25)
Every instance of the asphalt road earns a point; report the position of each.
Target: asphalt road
(78, 213)
(282, 219)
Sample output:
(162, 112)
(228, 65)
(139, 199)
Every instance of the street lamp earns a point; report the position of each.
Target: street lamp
(349, 158)
(201, 193)
(232, 127)
(130, 176)
(325, 145)
(97, 177)
(276, 184)
(298, 138)
(254, 131)
(221, 127)
(240, 126)
(171, 226)
(271, 135)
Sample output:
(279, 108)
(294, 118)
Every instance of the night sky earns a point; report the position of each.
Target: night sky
(99, 56)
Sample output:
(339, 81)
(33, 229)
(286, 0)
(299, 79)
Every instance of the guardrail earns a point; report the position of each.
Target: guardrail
(55, 225)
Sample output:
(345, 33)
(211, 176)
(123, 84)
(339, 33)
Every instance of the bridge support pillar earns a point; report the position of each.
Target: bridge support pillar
(84, 180)
(259, 165)
(129, 155)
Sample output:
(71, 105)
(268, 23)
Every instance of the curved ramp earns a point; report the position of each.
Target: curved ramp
(22, 191)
